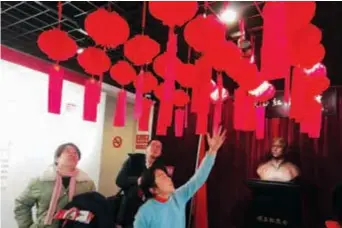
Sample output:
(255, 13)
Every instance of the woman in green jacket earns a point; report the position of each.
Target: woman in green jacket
(53, 189)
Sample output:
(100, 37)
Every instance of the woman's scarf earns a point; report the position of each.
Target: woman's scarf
(57, 192)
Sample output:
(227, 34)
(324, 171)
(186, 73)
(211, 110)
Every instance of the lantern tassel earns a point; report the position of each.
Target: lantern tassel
(55, 89)
(179, 122)
(218, 105)
(138, 96)
(170, 69)
(145, 115)
(260, 124)
(186, 116)
(90, 100)
(120, 109)
(162, 121)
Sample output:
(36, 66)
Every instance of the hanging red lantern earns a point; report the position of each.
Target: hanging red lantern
(160, 63)
(94, 61)
(316, 80)
(107, 29)
(180, 98)
(306, 56)
(186, 75)
(298, 14)
(275, 59)
(141, 49)
(309, 35)
(245, 74)
(123, 73)
(223, 55)
(57, 45)
(149, 82)
(159, 91)
(264, 92)
(202, 32)
(173, 13)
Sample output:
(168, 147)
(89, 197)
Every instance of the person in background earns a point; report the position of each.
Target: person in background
(336, 222)
(129, 178)
(277, 167)
(165, 207)
(53, 189)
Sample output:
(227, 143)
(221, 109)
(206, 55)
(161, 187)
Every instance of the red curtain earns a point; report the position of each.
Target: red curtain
(319, 160)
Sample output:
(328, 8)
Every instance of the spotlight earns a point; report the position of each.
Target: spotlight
(228, 16)
(80, 50)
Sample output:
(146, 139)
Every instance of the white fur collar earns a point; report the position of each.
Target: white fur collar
(50, 175)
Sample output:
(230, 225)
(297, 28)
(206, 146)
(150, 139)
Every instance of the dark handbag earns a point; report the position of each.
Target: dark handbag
(115, 204)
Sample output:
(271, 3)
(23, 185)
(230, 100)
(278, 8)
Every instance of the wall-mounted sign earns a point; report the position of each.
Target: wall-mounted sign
(117, 142)
(141, 141)
(277, 107)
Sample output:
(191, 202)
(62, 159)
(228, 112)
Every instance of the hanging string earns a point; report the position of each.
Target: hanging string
(242, 27)
(59, 7)
(109, 6)
(258, 8)
(189, 54)
(143, 21)
(206, 6)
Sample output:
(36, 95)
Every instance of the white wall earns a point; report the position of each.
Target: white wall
(112, 158)
(29, 134)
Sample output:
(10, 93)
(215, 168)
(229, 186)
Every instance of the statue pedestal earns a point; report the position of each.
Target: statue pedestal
(274, 204)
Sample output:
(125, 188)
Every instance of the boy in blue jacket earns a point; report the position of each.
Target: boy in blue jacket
(165, 207)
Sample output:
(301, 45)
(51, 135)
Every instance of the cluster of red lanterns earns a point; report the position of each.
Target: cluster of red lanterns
(291, 42)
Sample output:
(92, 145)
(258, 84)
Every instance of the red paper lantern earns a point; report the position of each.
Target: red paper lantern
(307, 56)
(309, 35)
(245, 74)
(173, 13)
(264, 92)
(202, 32)
(57, 45)
(141, 49)
(159, 91)
(180, 98)
(186, 75)
(94, 61)
(149, 82)
(123, 73)
(160, 63)
(316, 80)
(298, 14)
(223, 55)
(108, 29)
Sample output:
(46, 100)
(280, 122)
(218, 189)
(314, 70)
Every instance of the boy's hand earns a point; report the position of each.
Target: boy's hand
(216, 141)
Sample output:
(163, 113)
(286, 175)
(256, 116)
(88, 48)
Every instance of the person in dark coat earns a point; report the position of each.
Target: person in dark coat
(129, 178)
(88, 210)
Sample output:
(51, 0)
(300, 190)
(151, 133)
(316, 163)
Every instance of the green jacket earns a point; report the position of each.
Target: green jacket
(38, 193)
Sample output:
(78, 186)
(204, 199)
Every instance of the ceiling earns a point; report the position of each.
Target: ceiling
(22, 22)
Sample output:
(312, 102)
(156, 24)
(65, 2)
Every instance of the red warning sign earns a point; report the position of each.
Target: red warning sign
(141, 141)
(117, 141)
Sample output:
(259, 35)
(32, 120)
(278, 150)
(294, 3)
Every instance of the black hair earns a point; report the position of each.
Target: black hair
(62, 147)
(151, 140)
(148, 179)
(267, 157)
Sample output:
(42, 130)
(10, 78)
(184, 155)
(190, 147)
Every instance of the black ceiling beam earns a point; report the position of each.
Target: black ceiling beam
(56, 12)
(11, 7)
